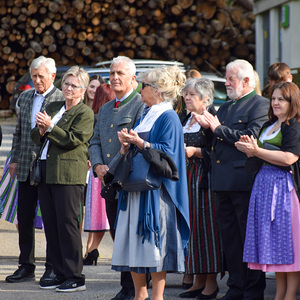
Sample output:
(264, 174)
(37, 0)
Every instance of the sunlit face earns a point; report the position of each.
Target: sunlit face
(234, 86)
(41, 79)
(121, 79)
(91, 89)
(149, 94)
(280, 106)
(193, 101)
(72, 89)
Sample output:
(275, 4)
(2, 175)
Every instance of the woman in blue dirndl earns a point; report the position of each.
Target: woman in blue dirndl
(152, 229)
(272, 241)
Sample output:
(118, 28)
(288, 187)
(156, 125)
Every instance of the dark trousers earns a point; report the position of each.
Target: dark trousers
(111, 212)
(60, 206)
(232, 211)
(27, 204)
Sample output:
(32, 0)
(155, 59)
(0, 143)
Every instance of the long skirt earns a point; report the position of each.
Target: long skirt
(131, 253)
(272, 241)
(95, 218)
(9, 198)
(205, 254)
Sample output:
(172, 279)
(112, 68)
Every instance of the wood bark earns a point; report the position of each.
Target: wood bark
(199, 33)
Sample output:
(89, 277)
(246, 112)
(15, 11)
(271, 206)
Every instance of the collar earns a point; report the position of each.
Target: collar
(125, 96)
(46, 93)
(246, 96)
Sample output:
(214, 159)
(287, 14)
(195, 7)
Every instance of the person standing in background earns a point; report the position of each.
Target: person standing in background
(42, 71)
(95, 81)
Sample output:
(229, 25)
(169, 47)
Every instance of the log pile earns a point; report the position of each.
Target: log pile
(202, 34)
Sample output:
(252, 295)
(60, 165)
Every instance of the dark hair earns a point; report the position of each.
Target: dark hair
(290, 92)
(279, 72)
(93, 77)
(104, 93)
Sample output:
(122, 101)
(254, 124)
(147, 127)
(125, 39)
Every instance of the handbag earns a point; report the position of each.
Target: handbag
(36, 168)
(142, 177)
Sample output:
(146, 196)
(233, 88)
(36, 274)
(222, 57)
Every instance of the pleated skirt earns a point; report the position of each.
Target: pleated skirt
(95, 218)
(9, 198)
(205, 254)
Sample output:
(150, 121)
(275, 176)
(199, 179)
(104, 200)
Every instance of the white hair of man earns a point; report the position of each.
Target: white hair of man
(129, 62)
(48, 62)
(244, 69)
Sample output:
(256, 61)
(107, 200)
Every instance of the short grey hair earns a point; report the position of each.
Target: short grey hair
(169, 81)
(80, 73)
(244, 69)
(124, 59)
(203, 87)
(48, 62)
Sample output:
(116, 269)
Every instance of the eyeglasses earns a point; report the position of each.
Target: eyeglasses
(146, 84)
(73, 86)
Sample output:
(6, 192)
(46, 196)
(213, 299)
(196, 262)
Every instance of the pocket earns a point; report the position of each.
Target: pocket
(239, 163)
(69, 170)
(240, 122)
(124, 121)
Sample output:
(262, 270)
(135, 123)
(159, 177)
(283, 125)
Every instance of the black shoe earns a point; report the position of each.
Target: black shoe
(123, 295)
(211, 296)
(20, 275)
(48, 275)
(186, 286)
(91, 258)
(72, 285)
(51, 283)
(191, 294)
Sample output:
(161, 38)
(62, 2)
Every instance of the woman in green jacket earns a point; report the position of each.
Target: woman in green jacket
(64, 130)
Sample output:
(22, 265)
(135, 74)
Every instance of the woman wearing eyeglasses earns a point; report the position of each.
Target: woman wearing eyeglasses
(152, 228)
(64, 129)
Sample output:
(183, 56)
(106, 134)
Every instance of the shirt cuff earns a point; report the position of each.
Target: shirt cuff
(50, 127)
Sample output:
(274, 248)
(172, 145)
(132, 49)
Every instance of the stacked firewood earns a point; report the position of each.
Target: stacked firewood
(202, 34)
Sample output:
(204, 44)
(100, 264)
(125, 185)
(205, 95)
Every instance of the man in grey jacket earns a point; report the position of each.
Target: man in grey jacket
(113, 116)
(42, 71)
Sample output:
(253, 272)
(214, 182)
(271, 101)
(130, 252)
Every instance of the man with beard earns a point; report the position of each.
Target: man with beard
(231, 182)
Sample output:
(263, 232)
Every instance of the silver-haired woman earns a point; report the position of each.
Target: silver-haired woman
(153, 226)
(65, 128)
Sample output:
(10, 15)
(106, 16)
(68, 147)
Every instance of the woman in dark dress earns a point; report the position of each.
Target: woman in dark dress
(205, 258)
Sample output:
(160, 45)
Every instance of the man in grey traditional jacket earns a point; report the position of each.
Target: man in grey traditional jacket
(113, 116)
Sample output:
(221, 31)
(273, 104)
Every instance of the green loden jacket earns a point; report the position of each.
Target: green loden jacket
(67, 156)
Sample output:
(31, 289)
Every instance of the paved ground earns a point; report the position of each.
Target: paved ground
(101, 281)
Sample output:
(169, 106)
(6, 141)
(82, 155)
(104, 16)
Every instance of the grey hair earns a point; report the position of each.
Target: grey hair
(124, 59)
(48, 62)
(244, 69)
(204, 88)
(169, 81)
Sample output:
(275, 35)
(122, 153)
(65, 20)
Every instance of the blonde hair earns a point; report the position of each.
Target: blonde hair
(80, 73)
(169, 81)
(82, 76)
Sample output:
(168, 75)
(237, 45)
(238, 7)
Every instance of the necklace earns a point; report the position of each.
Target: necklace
(192, 122)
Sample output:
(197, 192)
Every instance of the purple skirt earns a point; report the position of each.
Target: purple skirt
(269, 230)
